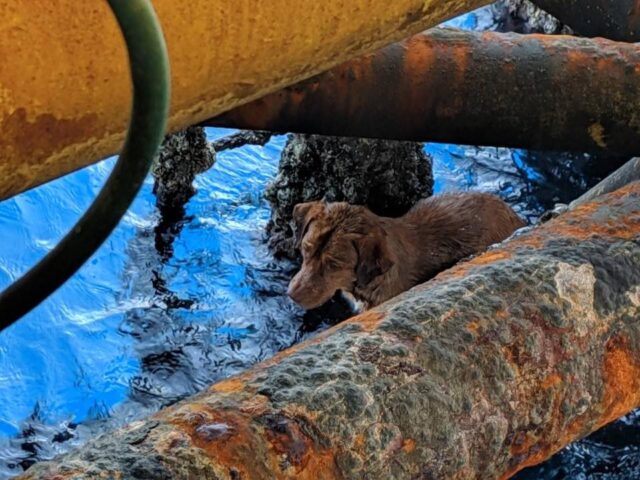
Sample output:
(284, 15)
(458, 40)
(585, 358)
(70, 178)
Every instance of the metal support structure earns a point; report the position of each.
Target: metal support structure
(64, 93)
(490, 367)
(614, 19)
(528, 91)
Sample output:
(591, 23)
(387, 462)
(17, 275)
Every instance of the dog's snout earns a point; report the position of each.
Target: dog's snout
(291, 291)
(304, 291)
(294, 290)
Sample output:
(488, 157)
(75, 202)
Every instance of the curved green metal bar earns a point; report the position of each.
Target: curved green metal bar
(151, 83)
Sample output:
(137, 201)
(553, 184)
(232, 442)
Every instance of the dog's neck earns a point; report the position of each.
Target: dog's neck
(418, 250)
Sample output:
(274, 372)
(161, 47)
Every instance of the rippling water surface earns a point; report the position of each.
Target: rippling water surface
(135, 330)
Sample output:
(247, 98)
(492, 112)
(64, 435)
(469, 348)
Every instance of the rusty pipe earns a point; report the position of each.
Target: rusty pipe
(490, 367)
(528, 91)
(64, 93)
(614, 19)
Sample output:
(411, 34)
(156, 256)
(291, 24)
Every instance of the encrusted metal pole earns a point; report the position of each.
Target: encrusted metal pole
(614, 19)
(528, 91)
(629, 172)
(490, 367)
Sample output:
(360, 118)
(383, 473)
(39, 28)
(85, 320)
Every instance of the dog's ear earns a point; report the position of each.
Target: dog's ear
(303, 215)
(374, 258)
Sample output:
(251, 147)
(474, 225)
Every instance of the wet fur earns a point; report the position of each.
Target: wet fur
(348, 248)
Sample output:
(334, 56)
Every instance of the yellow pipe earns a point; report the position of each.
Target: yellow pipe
(64, 84)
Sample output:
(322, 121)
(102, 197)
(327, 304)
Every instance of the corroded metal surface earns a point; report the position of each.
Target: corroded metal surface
(629, 172)
(532, 91)
(492, 366)
(64, 83)
(614, 19)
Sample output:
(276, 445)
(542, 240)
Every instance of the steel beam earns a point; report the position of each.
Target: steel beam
(490, 367)
(528, 91)
(64, 84)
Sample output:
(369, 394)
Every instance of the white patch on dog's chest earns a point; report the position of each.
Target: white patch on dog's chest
(356, 305)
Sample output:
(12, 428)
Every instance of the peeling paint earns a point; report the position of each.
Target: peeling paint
(67, 94)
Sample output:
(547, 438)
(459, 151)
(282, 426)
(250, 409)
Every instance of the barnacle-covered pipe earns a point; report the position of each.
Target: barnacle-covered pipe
(528, 91)
(490, 367)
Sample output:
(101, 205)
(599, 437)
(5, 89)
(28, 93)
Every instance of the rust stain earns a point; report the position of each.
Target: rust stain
(368, 320)
(292, 447)
(52, 134)
(409, 445)
(473, 327)
(622, 380)
(551, 381)
(621, 373)
(18, 133)
(523, 443)
(229, 385)
(237, 447)
(492, 257)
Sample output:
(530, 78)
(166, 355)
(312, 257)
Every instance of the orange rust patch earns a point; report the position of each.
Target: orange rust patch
(35, 141)
(368, 320)
(409, 445)
(551, 381)
(622, 380)
(294, 454)
(291, 445)
(228, 439)
(230, 385)
(38, 139)
(418, 59)
(473, 327)
(487, 258)
(523, 443)
(491, 257)
(254, 443)
(621, 372)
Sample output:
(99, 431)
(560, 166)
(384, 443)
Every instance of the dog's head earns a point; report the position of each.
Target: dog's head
(342, 246)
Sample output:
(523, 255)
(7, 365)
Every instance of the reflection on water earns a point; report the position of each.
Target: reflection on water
(166, 308)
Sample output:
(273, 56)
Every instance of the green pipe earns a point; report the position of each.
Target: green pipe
(151, 84)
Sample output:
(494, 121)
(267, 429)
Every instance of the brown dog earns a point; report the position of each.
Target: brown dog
(349, 248)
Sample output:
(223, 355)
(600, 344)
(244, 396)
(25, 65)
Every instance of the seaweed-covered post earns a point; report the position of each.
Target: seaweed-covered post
(490, 367)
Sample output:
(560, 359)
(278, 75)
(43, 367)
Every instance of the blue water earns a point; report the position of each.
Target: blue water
(115, 343)
(134, 331)
(107, 347)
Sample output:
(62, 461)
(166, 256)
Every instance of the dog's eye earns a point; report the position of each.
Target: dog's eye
(333, 265)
